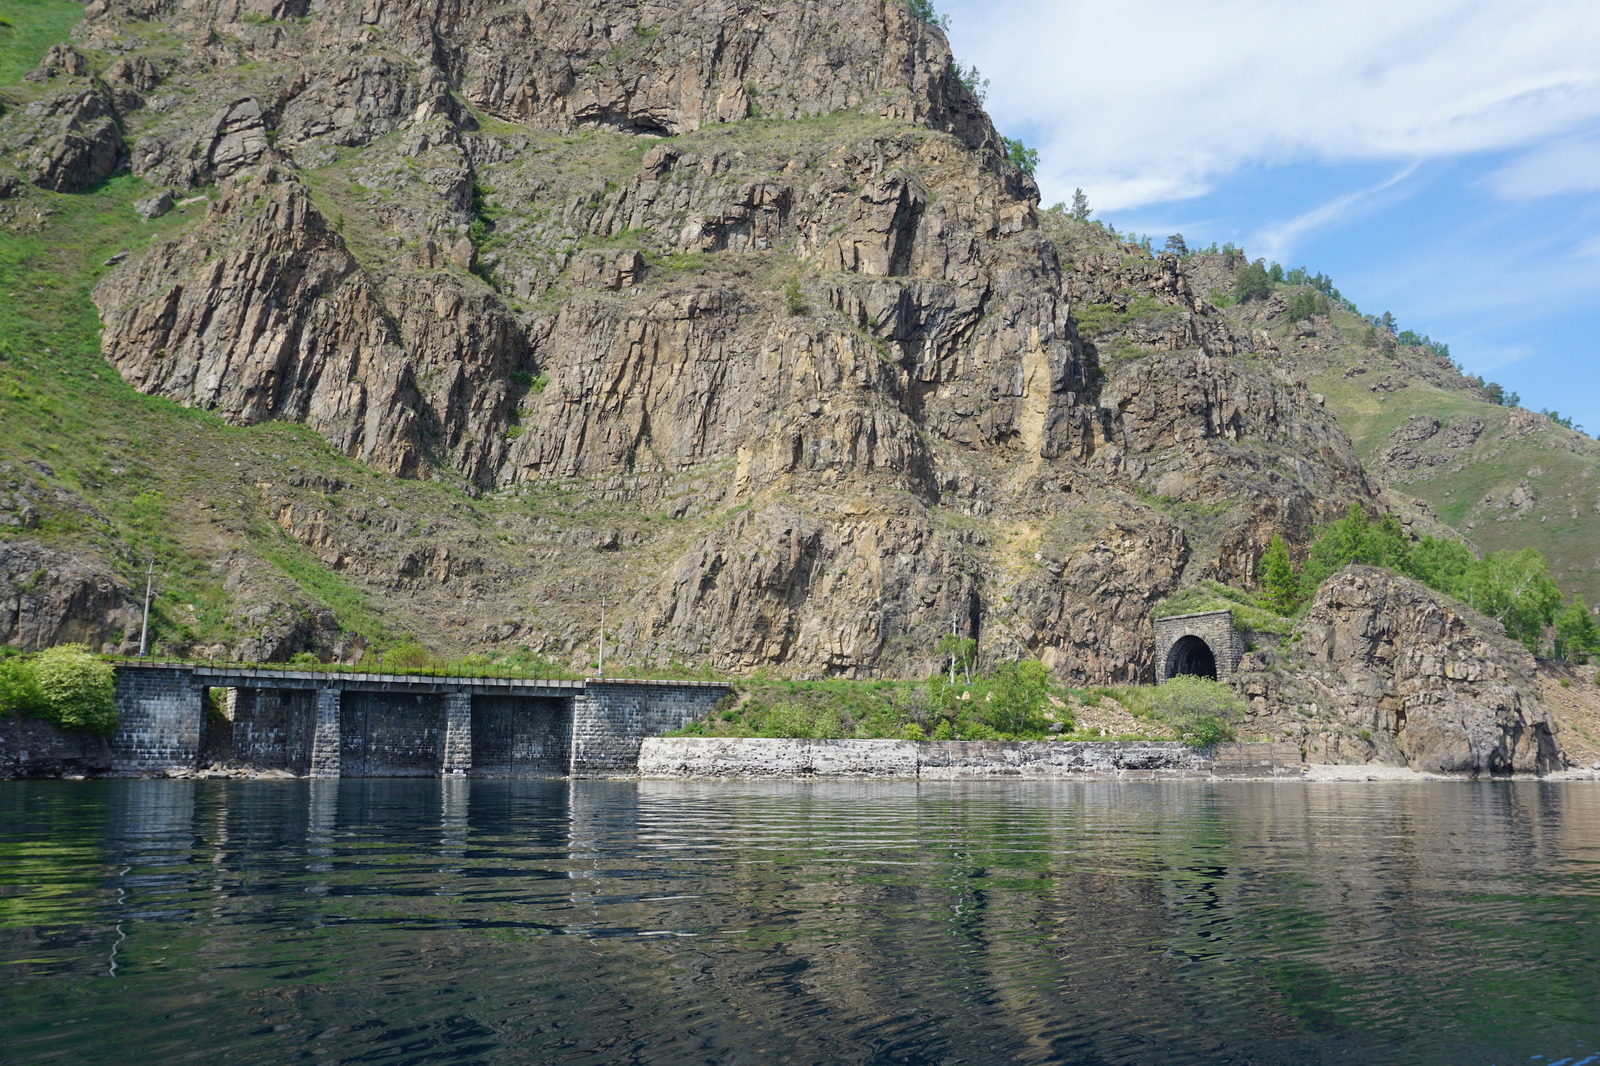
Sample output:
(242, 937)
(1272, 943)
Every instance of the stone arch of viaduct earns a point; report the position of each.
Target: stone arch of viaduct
(326, 724)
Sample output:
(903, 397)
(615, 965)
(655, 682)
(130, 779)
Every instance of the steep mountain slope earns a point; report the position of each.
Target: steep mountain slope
(710, 311)
(1505, 478)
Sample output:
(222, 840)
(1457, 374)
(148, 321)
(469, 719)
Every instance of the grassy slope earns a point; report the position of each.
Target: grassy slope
(27, 29)
(1561, 467)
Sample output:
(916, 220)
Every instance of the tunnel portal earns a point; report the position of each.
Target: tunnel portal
(1204, 644)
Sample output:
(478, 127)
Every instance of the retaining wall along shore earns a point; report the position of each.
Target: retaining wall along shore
(958, 759)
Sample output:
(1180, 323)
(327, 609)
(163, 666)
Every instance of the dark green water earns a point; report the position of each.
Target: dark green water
(621, 922)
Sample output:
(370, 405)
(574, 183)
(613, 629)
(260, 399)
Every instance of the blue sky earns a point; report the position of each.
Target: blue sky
(1439, 159)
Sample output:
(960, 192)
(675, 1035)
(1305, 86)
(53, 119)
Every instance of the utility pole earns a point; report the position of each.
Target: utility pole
(144, 628)
(952, 649)
(602, 635)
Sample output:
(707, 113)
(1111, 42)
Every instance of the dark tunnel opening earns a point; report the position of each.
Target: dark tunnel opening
(1191, 655)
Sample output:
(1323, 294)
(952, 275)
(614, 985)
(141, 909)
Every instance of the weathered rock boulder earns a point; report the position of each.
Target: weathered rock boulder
(1382, 669)
(50, 597)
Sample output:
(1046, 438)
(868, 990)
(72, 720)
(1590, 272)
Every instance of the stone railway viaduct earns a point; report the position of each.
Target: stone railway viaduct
(347, 724)
(327, 724)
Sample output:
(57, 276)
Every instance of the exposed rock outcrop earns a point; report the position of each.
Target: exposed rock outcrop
(1384, 670)
(869, 384)
(48, 597)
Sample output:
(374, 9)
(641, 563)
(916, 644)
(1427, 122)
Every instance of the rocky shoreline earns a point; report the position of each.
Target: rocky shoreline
(34, 750)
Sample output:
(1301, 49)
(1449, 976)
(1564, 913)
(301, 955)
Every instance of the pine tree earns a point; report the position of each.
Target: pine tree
(1080, 207)
(1176, 245)
(1252, 282)
(1279, 584)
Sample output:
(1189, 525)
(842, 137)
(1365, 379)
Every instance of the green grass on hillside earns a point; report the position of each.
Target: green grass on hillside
(27, 30)
(144, 463)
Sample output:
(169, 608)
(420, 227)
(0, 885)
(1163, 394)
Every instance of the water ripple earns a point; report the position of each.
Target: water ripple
(825, 922)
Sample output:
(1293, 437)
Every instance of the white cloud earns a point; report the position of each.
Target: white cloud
(1565, 167)
(1150, 102)
(1274, 242)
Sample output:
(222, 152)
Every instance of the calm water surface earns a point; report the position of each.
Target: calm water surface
(649, 922)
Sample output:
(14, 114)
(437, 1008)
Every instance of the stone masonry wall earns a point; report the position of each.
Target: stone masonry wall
(160, 714)
(31, 747)
(391, 734)
(273, 728)
(611, 718)
(1213, 627)
(520, 735)
(957, 759)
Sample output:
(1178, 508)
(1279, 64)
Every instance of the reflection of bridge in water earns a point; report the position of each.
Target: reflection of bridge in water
(348, 724)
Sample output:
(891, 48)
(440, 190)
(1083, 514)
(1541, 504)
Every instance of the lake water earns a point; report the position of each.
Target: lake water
(426, 921)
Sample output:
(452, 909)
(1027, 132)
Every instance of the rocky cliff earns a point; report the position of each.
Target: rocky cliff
(761, 272)
(732, 316)
(1383, 670)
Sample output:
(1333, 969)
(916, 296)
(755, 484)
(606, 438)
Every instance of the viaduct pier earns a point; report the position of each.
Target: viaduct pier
(320, 723)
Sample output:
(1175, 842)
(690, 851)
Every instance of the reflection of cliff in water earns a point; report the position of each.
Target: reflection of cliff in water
(687, 921)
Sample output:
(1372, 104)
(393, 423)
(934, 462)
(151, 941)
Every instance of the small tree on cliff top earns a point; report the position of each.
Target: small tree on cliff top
(1279, 584)
(925, 11)
(1252, 282)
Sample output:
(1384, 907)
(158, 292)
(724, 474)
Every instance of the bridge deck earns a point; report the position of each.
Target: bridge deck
(226, 675)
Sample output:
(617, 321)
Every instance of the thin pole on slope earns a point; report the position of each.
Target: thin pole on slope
(952, 649)
(602, 635)
(144, 627)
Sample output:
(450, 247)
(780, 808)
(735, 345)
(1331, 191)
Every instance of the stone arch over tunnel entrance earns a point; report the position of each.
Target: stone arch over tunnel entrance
(1204, 644)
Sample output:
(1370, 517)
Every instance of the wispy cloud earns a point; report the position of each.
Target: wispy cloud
(1151, 102)
(1274, 242)
(1569, 166)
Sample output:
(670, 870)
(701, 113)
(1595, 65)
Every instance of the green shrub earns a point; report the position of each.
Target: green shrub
(794, 721)
(794, 297)
(77, 691)
(1280, 586)
(1021, 156)
(1199, 710)
(409, 655)
(1303, 305)
(19, 689)
(1015, 698)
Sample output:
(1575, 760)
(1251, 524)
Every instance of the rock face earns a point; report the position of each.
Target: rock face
(31, 748)
(1383, 670)
(755, 279)
(69, 137)
(48, 597)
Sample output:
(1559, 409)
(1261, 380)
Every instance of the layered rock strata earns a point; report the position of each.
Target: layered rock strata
(763, 271)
